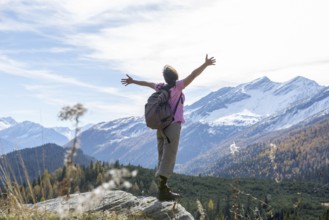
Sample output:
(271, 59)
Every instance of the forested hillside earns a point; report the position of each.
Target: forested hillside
(301, 153)
(32, 162)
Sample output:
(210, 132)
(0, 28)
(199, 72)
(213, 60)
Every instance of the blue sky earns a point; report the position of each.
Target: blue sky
(55, 53)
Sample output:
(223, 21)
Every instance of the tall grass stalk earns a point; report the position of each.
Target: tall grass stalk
(27, 178)
(12, 198)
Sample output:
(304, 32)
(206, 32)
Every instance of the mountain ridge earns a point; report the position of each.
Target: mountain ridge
(36, 160)
(28, 134)
(289, 117)
(19, 135)
(210, 121)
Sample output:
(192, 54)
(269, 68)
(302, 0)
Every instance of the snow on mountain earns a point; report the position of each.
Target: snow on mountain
(302, 111)
(121, 139)
(28, 134)
(223, 114)
(298, 113)
(210, 122)
(249, 103)
(69, 133)
(213, 123)
(6, 122)
(85, 127)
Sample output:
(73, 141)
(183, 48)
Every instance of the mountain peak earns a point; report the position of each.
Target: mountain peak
(263, 83)
(7, 122)
(263, 79)
(301, 84)
(302, 81)
(8, 119)
(29, 125)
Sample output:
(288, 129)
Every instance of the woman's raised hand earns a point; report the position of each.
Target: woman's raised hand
(210, 61)
(127, 81)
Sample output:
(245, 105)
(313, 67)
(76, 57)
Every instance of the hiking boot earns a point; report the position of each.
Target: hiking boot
(165, 194)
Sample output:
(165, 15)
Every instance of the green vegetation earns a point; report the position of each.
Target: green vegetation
(221, 198)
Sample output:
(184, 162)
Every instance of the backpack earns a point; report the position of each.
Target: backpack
(158, 113)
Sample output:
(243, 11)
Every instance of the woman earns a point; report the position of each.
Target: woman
(167, 150)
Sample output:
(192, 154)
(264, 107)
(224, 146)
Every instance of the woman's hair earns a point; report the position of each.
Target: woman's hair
(170, 75)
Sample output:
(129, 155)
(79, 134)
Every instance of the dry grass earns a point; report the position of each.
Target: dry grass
(12, 201)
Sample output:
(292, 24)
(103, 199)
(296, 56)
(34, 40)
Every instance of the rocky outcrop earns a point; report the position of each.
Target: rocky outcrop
(118, 201)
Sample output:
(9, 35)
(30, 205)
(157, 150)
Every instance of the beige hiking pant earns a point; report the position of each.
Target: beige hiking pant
(167, 151)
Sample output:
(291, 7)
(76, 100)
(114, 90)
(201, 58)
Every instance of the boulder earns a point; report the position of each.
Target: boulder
(116, 201)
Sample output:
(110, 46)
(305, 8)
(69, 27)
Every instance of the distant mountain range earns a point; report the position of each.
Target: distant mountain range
(213, 123)
(242, 115)
(20, 135)
(311, 102)
(28, 134)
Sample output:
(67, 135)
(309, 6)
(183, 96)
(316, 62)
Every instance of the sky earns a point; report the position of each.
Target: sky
(56, 53)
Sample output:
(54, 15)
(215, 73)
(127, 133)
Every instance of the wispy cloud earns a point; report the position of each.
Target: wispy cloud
(12, 67)
(54, 50)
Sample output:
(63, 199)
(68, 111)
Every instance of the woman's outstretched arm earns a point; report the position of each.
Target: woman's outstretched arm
(199, 70)
(130, 80)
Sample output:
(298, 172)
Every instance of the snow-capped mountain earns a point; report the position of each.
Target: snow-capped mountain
(248, 103)
(214, 119)
(19, 135)
(295, 114)
(6, 122)
(237, 114)
(28, 134)
(69, 133)
(126, 140)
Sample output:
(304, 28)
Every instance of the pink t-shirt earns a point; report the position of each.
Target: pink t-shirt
(175, 93)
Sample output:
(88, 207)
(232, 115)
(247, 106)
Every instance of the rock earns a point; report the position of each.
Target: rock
(118, 201)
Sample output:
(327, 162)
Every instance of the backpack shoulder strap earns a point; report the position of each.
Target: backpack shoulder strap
(175, 109)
